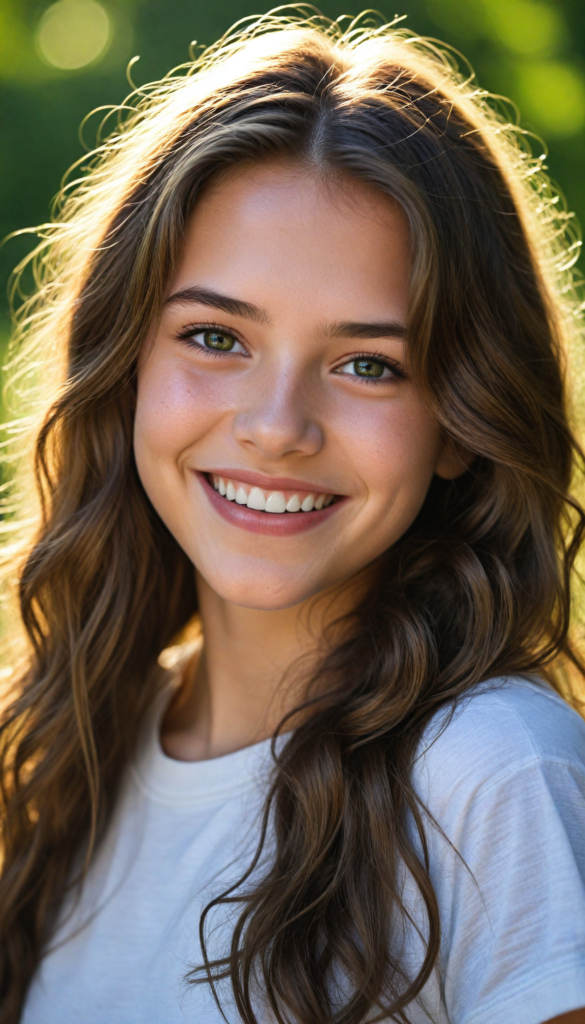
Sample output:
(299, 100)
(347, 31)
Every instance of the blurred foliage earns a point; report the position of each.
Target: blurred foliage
(60, 60)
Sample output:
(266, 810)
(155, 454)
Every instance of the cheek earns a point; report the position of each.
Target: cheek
(174, 408)
(393, 446)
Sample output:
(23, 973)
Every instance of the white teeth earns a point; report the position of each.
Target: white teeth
(275, 502)
(256, 499)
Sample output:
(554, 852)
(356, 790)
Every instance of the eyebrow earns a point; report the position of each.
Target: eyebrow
(208, 297)
(237, 307)
(379, 329)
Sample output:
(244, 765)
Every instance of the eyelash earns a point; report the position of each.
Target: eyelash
(187, 333)
(378, 357)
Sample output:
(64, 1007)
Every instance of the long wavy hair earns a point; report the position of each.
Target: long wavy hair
(479, 586)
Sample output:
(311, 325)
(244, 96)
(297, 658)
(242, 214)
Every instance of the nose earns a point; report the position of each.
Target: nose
(279, 417)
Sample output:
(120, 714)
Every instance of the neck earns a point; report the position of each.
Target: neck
(251, 671)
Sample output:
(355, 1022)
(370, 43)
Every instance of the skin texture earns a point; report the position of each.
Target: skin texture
(311, 256)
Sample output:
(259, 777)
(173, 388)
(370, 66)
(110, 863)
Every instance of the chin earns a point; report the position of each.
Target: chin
(263, 592)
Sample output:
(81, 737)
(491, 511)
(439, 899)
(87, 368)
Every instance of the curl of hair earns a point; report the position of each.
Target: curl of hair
(479, 586)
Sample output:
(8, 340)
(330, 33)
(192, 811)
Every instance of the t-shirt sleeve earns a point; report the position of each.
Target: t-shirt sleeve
(512, 900)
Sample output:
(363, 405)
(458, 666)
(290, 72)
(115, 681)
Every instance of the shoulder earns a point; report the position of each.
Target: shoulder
(502, 729)
(503, 778)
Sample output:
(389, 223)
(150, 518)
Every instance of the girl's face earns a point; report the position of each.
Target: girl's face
(278, 434)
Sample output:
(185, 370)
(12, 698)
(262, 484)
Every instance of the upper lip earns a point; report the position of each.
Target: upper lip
(270, 483)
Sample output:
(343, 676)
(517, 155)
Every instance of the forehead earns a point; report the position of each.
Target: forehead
(279, 229)
(287, 182)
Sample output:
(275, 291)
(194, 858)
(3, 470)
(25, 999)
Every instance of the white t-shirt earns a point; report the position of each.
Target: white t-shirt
(506, 782)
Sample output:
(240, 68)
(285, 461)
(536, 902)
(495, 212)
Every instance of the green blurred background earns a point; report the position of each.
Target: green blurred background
(60, 60)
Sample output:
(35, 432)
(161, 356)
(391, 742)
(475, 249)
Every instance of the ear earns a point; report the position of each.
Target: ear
(453, 459)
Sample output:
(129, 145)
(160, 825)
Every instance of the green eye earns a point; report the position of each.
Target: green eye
(218, 341)
(368, 368)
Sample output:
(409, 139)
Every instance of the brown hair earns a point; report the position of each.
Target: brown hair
(478, 586)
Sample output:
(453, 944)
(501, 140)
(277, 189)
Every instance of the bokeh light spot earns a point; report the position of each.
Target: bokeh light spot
(552, 94)
(73, 33)
(526, 27)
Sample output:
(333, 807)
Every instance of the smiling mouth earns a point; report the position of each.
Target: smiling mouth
(271, 501)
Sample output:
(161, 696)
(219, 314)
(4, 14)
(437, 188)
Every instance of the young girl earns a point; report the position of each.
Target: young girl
(288, 744)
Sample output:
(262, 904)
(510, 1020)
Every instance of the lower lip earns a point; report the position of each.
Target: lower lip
(275, 524)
